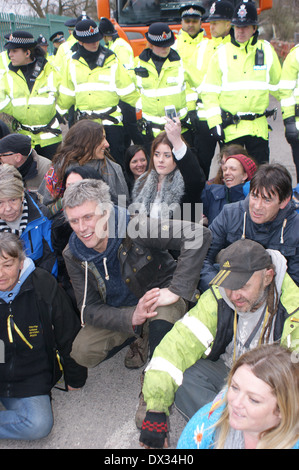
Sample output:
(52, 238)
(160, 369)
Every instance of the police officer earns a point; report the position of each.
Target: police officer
(220, 15)
(125, 54)
(289, 94)
(118, 45)
(29, 91)
(191, 33)
(70, 46)
(240, 76)
(94, 81)
(57, 39)
(161, 79)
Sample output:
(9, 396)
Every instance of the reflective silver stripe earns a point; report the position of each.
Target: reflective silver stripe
(41, 101)
(4, 102)
(158, 92)
(288, 101)
(158, 363)
(287, 84)
(126, 91)
(213, 112)
(206, 87)
(199, 329)
(19, 101)
(66, 91)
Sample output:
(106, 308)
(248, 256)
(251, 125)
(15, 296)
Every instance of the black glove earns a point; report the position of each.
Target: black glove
(217, 133)
(154, 429)
(194, 120)
(291, 131)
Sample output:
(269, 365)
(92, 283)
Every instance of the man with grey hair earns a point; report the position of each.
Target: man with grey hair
(124, 279)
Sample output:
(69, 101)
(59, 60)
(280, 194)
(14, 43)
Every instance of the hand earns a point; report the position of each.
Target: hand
(173, 130)
(146, 307)
(217, 133)
(165, 445)
(154, 431)
(166, 297)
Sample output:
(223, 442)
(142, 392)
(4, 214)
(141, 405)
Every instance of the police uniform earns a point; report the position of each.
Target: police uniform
(94, 82)
(236, 91)
(185, 44)
(289, 95)
(125, 55)
(29, 95)
(162, 82)
(204, 144)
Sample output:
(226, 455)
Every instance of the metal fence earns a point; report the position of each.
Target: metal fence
(10, 22)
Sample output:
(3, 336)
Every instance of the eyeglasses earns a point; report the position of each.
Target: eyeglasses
(6, 154)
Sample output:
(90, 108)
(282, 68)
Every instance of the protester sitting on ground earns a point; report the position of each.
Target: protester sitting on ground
(37, 322)
(22, 214)
(173, 184)
(61, 230)
(251, 301)
(85, 143)
(227, 150)
(237, 170)
(16, 150)
(135, 164)
(267, 215)
(123, 276)
(259, 410)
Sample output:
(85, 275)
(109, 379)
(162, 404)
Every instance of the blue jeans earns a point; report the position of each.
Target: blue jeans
(26, 418)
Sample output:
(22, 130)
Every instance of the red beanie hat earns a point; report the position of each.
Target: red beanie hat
(248, 164)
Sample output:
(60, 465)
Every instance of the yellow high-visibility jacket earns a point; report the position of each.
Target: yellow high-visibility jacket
(234, 83)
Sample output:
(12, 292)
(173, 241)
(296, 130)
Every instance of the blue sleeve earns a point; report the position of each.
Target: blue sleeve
(195, 435)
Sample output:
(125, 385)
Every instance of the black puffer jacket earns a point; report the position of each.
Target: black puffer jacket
(34, 326)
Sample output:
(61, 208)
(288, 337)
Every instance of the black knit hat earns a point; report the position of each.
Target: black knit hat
(106, 27)
(20, 39)
(221, 10)
(87, 31)
(245, 14)
(192, 10)
(239, 261)
(16, 143)
(159, 34)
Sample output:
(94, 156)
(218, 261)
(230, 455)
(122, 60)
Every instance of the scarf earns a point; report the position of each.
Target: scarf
(23, 221)
(172, 192)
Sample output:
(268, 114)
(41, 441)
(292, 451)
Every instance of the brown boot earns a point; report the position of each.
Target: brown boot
(141, 410)
(137, 354)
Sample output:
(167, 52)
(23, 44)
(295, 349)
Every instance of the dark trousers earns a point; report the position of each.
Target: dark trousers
(295, 153)
(257, 147)
(48, 151)
(204, 146)
(116, 139)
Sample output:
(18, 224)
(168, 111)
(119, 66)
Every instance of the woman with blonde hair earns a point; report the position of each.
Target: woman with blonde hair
(260, 407)
(22, 214)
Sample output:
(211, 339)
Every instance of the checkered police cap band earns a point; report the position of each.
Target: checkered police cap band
(160, 37)
(91, 31)
(21, 41)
